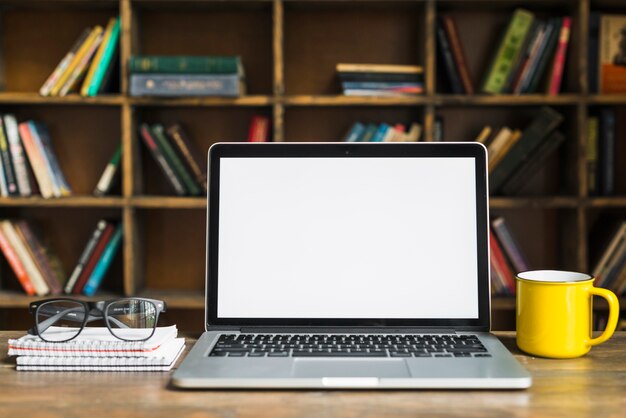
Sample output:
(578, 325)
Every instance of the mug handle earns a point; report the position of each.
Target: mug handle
(611, 324)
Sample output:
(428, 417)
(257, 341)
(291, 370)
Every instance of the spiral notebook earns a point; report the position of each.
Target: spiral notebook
(160, 360)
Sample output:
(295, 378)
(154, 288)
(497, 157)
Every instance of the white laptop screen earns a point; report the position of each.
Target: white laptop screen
(340, 237)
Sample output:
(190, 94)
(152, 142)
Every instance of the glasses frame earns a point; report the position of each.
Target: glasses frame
(94, 310)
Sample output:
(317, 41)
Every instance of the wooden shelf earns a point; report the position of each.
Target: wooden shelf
(508, 100)
(534, 202)
(73, 99)
(158, 202)
(203, 101)
(14, 299)
(69, 201)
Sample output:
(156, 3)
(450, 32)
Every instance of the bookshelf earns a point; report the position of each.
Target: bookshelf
(289, 49)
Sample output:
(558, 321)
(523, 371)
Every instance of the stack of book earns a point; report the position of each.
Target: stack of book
(36, 267)
(383, 132)
(153, 75)
(96, 349)
(380, 80)
(506, 258)
(610, 268)
(96, 258)
(530, 57)
(28, 164)
(91, 66)
(606, 61)
(514, 155)
(604, 149)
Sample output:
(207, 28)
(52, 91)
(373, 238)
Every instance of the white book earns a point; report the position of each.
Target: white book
(92, 342)
(17, 155)
(162, 359)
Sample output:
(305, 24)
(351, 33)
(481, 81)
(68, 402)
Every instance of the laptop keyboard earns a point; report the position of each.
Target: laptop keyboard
(333, 345)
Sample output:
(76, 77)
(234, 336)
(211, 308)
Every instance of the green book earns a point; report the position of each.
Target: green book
(105, 61)
(156, 64)
(178, 166)
(506, 55)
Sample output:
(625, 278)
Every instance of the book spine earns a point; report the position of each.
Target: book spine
(103, 265)
(515, 136)
(146, 135)
(497, 144)
(509, 244)
(38, 254)
(508, 50)
(380, 85)
(521, 58)
(111, 47)
(458, 54)
(593, 52)
(184, 85)
(532, 136)
(530, 61)
(4, 189)
(501, 263)
(615, 267)
(181, 172)
(41, 135)
(41, 288)
(93, 260)
(559, 57)
(259, 129)
(84, 257)
(438, 130)
(446, 56)
(535, 37)
(370, 131)
(381, 77)
(380, 133)
(607, 152)
(593, 130)
(355, 132)
(82, 67)
(544, 55)
(16, 264)
(194, 159)
(37, 162)
(109, 173)
(185, 64)
(7, 164)
(97, 58)
(64, 64)
(17, 155)
(414, 133)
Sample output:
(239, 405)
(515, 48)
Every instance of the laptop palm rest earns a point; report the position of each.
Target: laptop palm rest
(350, 368)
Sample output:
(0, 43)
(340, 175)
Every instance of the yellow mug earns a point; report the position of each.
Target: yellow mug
(554, 313)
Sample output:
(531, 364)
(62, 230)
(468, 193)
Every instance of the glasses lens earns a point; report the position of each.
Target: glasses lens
(132, 319)
(59, 320)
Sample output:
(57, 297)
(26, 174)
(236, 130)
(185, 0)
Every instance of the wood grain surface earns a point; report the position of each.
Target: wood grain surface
(591, 386)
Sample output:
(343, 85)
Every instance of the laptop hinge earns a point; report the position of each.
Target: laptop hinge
(351, 330)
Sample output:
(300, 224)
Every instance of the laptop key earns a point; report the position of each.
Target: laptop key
(400, 354)
(256, 354)
(336, 354)
(236, 354)
(278, 354)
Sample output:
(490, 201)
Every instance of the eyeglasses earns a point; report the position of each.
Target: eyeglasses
(63, 319)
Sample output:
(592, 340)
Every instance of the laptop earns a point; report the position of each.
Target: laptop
(348, 265)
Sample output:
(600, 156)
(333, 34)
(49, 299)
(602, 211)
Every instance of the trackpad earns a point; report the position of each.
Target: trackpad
(350, 368)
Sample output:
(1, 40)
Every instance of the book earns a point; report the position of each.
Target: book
(101, 268)
(108, 61)
(92, 342)
(64, 63)
(558, 63)
(501, 265)
(111, 79)
(454, 40)
(37, 161)
(544, 53)
(175, 162)
(536, 36)
(510, 246)
(97, 58)
(606, 148)
(34, 275)
(388, 86)
(18, 156)
(370, 131)
(147, 136)
(517, 181)
(438, 129)
(161, 360)
(510, 46)
(616, 264)
(355, 133)
(610, 249)
(16, 265)
(38, 254)
(110, 174)
(499, 154)
(483, 135)
(259, 129)
(173, 85)
(379, 69)
(75, 78)
(4, 188)
(7, 164)
(93, 259)
(593, 52)
(195, 161)
(398, 92)
(40, 134)
(593, 132)
(399, 77)
(414, 133)
(379, 136)
(76, 60)
(162, 64)
(545, 122)
(445, 52)
(84, 256)
(497, 144)
(612, 48)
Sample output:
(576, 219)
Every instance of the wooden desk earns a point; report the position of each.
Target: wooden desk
(594, 385)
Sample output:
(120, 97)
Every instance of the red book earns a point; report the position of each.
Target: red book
(16, 265)
(500, 263)
(559, 57)
(259, 129)
(458, 55)
(95, 256)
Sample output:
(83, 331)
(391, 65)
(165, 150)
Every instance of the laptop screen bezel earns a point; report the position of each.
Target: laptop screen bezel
(349, 150)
